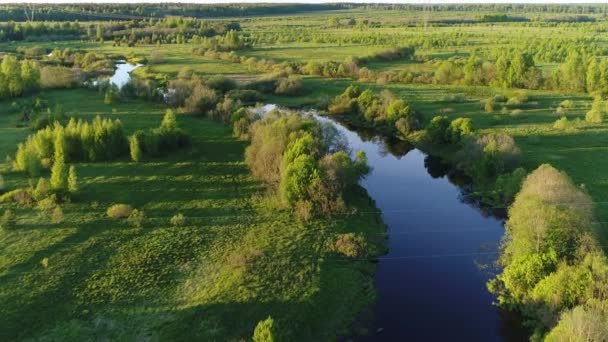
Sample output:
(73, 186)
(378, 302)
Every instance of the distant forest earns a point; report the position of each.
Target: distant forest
(92, 12)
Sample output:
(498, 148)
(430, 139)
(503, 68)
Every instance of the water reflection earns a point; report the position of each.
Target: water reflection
(442, 248)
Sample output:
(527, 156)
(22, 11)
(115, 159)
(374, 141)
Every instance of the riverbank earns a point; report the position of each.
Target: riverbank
(233, 261)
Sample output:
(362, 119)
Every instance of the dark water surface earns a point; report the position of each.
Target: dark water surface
(431, 284)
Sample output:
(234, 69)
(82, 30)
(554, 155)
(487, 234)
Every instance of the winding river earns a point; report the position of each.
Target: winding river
(431, 284)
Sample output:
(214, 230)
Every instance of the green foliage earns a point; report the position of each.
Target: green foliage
(489, 155)
(72, 180)
(119, 211)
(596, 114)
(178, 220)
(266, 331)
(289, 86)
(57, 215)
(136, 218)
(508, 185)
(8, 220)
(135, 148)
(350, 245)
(580, 324)
(42, 190)
(159, 141)
(59, 171)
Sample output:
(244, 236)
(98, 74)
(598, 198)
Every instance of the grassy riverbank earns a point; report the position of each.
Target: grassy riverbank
(232, 263)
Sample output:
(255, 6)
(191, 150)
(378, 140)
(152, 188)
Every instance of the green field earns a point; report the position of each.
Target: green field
(239, 257)
(233, 263)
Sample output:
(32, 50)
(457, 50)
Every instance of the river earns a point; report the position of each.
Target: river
(431, 285)
(122, 74)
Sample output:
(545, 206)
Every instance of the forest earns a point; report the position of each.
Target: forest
(214, 190)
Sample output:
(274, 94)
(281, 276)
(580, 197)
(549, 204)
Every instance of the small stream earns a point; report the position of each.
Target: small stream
(431, 285)
(122, 74)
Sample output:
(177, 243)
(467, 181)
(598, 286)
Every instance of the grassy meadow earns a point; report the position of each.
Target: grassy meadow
(237, 259)
(232, 263)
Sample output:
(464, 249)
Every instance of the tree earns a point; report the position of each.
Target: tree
(574, 72)
(169, 122)
(265, 331)
(596, 114)
(135, 148)
(30, 75)
(12, 72)
(593, 76)
(580, 325)
(59, 172)
(72, 180)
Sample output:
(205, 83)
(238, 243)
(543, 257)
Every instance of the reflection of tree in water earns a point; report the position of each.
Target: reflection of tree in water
(439, 168)
(436, 167)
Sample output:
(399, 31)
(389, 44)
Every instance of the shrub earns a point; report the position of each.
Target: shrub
(567, 104)
(460, 129)
(491, 154)
(508, 185)
(221, 83)
(72, 180)
(437, 130)
(57, 77)
(488, 105)
(580, 323)
(516, 112)
(245, 96)
(42, 189)
(178, 220)
(201, 100)
(266, 331)
(119, 211)
(135, 147)
(8, 220)
(350, 245)
(22, 197)
(289, 86)
(57, 215)
(2, 184)
(137, 218)
(594, 116)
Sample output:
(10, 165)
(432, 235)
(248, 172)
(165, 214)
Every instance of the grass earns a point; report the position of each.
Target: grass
(232, 263)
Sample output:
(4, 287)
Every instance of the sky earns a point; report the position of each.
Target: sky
(314, 1)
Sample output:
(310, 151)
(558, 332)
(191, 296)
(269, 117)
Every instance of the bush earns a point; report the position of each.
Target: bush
(178, 220)
(57, 215)
(119, 211)
(266, 331)
(580, 323)
(221, 83)
(350, 245)
(488, 105)
(289, 86)
(594, 116)
(2, 184)
(567, 104)
(52, 77)
(8, 220)
(490, 154)
(245, 96)
(136, 218)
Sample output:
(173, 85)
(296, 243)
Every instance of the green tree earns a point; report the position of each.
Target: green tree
(72, 180)
(12, 72)
(265, 331)
(593, 76)
(30, 75)
(59, 171)
(169, 122)
(135, 148)
(580, 325)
